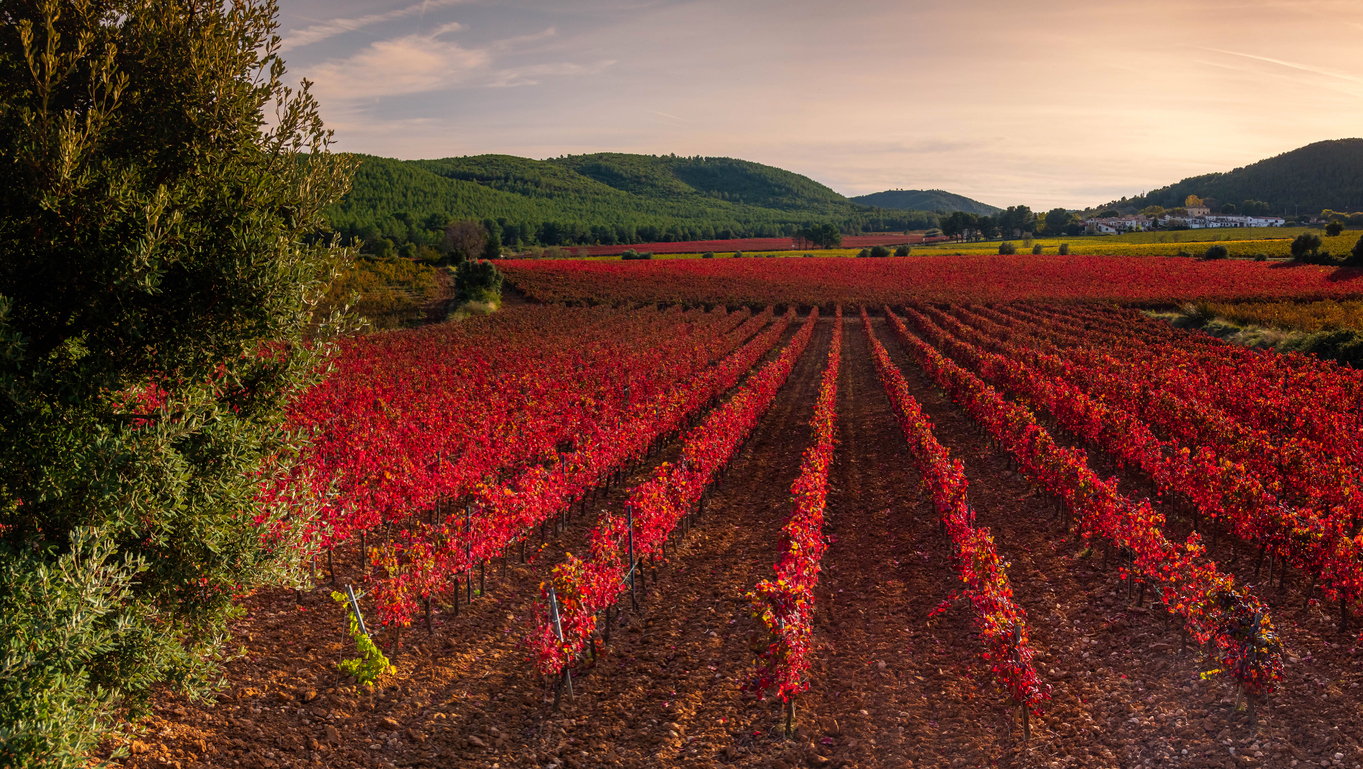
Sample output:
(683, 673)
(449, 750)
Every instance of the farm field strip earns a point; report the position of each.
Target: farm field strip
(586, 586)
(1001, 623)
(897, 281)
(786, 605)
(1211, 606)
(1219, 489)
(426, 561)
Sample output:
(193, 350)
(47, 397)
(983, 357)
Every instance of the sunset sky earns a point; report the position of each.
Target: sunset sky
(1041, 103)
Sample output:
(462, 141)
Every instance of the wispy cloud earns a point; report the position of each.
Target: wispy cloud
(671, 117)
(329, 29)
(535, 73)
(1293, 65)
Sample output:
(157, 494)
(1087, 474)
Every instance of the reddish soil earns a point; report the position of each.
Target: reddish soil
(890, 687)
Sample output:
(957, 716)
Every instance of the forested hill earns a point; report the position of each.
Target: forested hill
(1323, 175)
(602, 198)
(926, 200)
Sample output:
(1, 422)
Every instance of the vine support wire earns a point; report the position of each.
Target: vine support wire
(558, 630)
(355, 607)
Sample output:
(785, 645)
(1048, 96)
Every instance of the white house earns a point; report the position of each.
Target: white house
(1222, 221)
(1118, 224)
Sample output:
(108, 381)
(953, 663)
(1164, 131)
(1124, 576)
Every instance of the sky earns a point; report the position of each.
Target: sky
(1044, 103)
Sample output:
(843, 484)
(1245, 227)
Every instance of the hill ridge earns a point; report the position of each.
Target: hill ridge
(1320, 175)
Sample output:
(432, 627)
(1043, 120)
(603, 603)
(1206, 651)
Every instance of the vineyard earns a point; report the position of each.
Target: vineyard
(818, 513)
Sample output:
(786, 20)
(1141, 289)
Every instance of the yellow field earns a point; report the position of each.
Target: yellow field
(1309, 316)
(1271, 242)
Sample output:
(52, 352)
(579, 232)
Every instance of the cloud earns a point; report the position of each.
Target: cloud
(1293, 65)
(405, 65)
(329, 29)
(423, 62)
(532, 74)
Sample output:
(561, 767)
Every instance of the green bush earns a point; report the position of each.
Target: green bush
(708, 255)
(879, 252)
(1064, 249)
(156, 280)
(1305, 247)
(1036, 249)
(864, 253)
(478, 282)
(901, 251)
(632, 255)
(1007, 248)
(1217, 251)
(1333, 229)
(738, 254)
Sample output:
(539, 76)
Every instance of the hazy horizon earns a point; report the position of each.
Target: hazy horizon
(1057, 103)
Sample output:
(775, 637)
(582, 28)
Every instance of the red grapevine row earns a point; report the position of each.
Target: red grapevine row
(585, 586)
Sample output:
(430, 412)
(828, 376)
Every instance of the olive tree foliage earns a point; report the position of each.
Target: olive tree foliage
(161, 194)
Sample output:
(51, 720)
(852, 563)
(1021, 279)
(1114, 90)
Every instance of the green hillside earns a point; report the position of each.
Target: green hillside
(1323, 175)
(603, 198)
(925, 200)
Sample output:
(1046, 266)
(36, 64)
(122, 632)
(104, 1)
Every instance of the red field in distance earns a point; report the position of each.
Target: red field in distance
(752, 244)
(874, 282)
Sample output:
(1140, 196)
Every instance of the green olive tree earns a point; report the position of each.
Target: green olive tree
(161, 197)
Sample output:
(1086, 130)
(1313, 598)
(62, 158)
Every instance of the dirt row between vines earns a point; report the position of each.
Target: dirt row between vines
(891, 686)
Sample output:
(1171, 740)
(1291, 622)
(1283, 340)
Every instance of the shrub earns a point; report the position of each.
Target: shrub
(1183, 252)
(1334, 228)
(809, 256)
(738, 254)
(1036, 249)
(880, 252)
(632, 255)
(1217, 251)
(708, 255)
(1305, 247)
(1006, 248)
(1261, 257)
(864, 253)
(478, 282)
(901, 251)
(1064, 249)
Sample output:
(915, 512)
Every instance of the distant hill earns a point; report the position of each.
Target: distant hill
(926, 200)
(1323, 175)
(606, 198)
